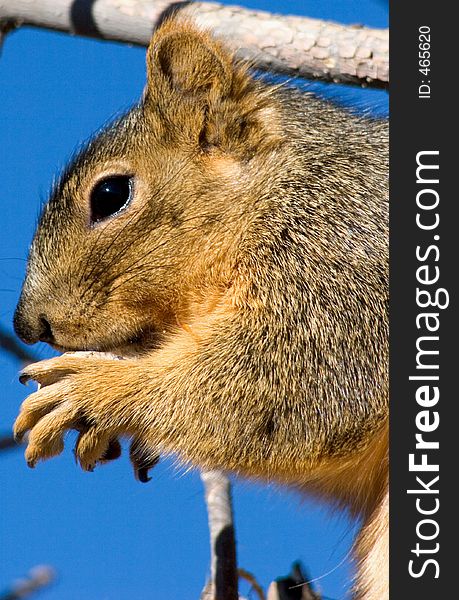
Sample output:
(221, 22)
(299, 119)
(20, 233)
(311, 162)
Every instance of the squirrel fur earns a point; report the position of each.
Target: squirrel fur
(244, 281)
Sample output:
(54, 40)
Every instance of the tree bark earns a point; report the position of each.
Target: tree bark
(296, 46)
(223, 584)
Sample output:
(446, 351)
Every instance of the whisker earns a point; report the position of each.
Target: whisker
(139, 265)
(133, 276)
(13, 258)
(150, 251)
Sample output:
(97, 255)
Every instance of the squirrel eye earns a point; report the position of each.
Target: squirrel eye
(110, 196)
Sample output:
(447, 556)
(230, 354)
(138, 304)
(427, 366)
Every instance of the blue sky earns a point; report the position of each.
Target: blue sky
(107, 536)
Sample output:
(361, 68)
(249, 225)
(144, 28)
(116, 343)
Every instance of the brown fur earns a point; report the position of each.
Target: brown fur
(246, 279)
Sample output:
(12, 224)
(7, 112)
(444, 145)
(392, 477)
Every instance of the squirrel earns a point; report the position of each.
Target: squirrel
(228, 237)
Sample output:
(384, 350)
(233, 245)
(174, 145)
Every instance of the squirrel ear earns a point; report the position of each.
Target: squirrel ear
(198, 92)
(188, 61)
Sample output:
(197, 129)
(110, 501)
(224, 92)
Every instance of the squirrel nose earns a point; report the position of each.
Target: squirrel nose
(30, 330)
(45, 333)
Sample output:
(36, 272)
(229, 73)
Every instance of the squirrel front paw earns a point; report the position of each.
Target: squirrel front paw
(75, 393)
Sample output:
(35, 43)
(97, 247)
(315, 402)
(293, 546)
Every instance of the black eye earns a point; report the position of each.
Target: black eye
(109, 196)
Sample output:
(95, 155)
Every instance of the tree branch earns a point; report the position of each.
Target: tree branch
(7, 442)
(291, 45)
(223, 584)
(39, 577)
(9, 343)
(293, 587)
(5, 28)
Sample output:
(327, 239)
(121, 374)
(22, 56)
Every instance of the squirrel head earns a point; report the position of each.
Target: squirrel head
(144, 212)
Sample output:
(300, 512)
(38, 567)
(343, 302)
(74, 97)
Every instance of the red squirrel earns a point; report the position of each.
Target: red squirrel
(229, 239)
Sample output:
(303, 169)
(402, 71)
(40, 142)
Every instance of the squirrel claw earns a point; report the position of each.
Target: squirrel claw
(24, 378)
(143, 459)
(19, 436)
(142, 475)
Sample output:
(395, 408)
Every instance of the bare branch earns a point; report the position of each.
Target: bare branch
(7, 442)
(293, 587)
(256, 587)
(223, 584)
(39, 577)
(295, 46)
(9, 343)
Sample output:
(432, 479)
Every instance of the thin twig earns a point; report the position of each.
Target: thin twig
(9, 343)
(293, 587)
(7, 442)
(256, 587)
(39, 577)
